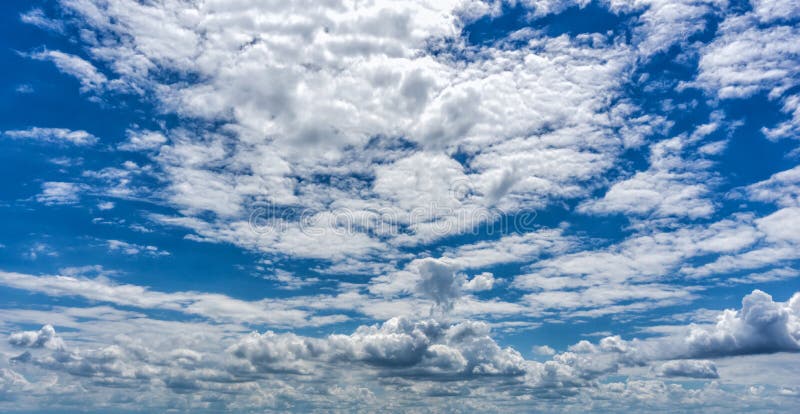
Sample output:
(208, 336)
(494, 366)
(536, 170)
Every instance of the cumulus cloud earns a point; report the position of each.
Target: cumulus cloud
(760, 326)
(702, 369)
(422, 356)
(358, 135)
(272, 111)
(43, 338)
(544, 350)
(439, 281)
(483, 281)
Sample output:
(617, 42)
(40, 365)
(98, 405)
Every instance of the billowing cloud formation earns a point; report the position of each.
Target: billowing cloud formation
(563, 121)
(760, 326)
(43, 338)
(439, 281)
(399, 347)
(424, 182)
(428, 352)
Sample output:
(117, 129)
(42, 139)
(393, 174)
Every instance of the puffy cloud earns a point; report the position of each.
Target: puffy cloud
(53, 135)
(633, 269)
(423, 357)
(664, 23)
(398, 347)
(483, 281)
(439, 281)
(386, 130)
(544, 350)
(501, 106)
(43, 338)
(760, 326)
(782, 225)
(702, 369)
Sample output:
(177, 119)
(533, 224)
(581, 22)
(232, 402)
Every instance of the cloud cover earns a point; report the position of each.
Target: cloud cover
(367, 152)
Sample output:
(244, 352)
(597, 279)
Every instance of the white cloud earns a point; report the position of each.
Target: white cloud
(772, 10)
(155, 356)
(544, 350)
(38, 18)
(678, 182)
(105, 205)
(749, 57)
(745, 59)
(702, 369)
(440, 281)
(782, 188)
(132, 249)
(510, 248)
(43, 338)
(483, 281)
(54, 192)
(277, 88)
(143, 140)
(215, 307)
(383, 129)
(290, 281)
(84, 71)
(53, 135)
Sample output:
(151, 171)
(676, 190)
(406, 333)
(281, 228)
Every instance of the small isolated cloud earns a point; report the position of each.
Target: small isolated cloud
(24, 89)
(53, 135)
(132, 249)
(40, 249)
(54, 193)
(106, 205)
(544, 350)
(701, 369)
(88, 270)
(143, 140)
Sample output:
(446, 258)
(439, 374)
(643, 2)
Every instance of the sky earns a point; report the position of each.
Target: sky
(399, 206)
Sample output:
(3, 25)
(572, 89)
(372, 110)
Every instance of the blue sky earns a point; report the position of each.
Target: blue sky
(459, 205)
